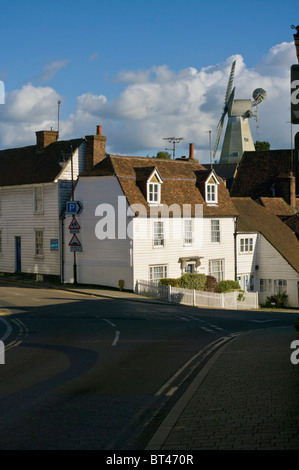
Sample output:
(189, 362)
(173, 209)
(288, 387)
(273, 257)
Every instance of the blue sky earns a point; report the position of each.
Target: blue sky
(143, 70)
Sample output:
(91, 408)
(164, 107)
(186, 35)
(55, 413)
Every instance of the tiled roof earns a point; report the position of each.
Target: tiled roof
(276, 205)
(257, 172)
(26, 165)
(227, 171)
(293, 223)
(255, 218)
(183, 182)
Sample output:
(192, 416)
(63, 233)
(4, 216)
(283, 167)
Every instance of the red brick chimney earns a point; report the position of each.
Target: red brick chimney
(45, 138)
(95, 148)
(191, 154)
(285, 187)
(191, 151)
(293, 203)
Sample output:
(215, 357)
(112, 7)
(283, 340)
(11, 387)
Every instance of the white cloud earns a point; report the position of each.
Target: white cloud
(27, 110)
(160, 102)
(93, 57)
(51, 69)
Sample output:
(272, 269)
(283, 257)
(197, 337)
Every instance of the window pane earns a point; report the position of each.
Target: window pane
(216, 268)
(158, 272)
(188, 233)
(158, 234)
(153, 195)
(38, 199)
(215, 231)
(39, 242)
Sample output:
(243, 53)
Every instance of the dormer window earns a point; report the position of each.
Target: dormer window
(153, 192)
(211, 190)
(154, 188)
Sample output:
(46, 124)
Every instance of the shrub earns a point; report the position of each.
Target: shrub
(228, 286)
(193, 281)
(276, 301)
(211, 284)
(170, 282)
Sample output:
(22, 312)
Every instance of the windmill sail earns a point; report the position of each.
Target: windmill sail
(237, 138)
(226, 102)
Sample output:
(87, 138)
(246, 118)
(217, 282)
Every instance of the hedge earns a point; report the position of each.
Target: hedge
(167, 281)
(193, 281)
(187, 281)
(228, 286)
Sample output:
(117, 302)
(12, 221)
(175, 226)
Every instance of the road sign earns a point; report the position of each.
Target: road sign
(295, 94)
(54, 244)
(74, 207)
(75, 243)
(74, 226)
(76, 248)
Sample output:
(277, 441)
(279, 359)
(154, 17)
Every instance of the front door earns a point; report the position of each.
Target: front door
(18, 254)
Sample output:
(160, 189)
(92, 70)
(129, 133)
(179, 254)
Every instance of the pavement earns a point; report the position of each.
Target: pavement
(246, 397)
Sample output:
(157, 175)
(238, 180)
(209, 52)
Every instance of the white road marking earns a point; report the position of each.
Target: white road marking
(261, 321)
(171, 391)
(116, 338)
(110, 323)
(8, 329)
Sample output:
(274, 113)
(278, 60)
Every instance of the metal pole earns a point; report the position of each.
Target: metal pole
(75, 261)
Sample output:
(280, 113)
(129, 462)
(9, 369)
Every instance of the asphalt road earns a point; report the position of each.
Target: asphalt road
(84, 373)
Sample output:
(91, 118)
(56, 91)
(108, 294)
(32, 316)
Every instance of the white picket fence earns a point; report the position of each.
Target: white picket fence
(178, 295)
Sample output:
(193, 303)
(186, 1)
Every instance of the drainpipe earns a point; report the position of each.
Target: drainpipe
(61, 244)
(235, 248)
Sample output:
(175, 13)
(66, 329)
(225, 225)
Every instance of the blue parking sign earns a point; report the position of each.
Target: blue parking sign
(73, 207)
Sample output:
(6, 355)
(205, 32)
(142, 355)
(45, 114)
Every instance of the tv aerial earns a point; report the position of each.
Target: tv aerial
(173, 140)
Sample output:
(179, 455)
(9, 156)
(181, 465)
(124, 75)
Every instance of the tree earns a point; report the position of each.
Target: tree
(262, 145)
(163, 155)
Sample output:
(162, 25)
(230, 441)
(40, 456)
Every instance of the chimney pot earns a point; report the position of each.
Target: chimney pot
(99, 130)
(191, 150)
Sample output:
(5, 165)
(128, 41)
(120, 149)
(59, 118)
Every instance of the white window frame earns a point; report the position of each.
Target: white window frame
(154, 189)
(246, 245)
(215, 232)
(158, 234)
(218, 274)
(153, 193)
(188, 232)
(38, 243)
(38, 199)
(273, 286)
(153, 270)
(211, 191)
(266, 285)
(280, 286)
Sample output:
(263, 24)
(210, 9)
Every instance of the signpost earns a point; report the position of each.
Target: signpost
(74, 208)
